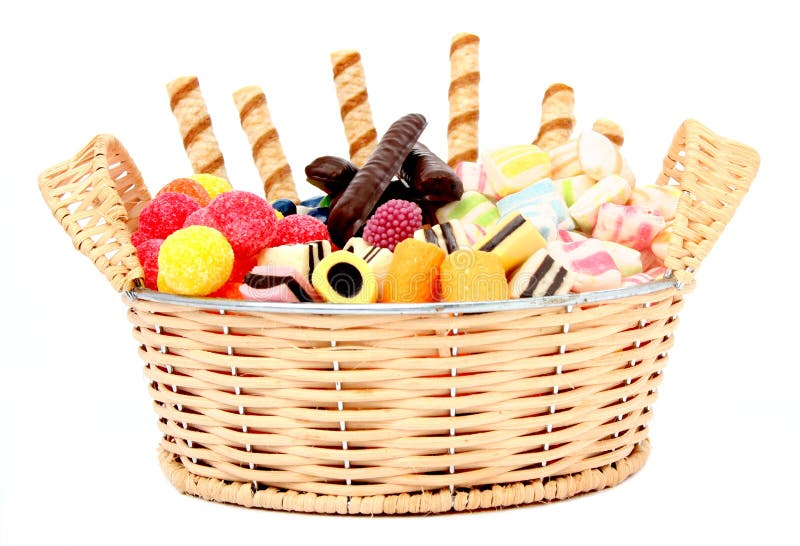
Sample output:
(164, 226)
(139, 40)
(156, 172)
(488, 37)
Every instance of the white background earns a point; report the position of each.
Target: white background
(78, 458)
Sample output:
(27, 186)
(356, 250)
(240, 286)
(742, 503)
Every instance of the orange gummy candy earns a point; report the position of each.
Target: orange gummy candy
(473, 275)
(413, 275)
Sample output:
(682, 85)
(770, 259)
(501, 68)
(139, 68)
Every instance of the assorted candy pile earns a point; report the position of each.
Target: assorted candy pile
(405, 227)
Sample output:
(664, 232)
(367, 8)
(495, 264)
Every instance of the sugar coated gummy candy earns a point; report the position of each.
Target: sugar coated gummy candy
(194, 261)
(299, 228)
(245, 219)
(413, 275)
(165, 214)
(214, 185)
(147, 252)
(473, 275)
(189, 187)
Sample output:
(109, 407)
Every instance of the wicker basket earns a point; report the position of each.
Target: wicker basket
(393, 409)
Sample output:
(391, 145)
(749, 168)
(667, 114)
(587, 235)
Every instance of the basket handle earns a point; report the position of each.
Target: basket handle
(97, 197)
(715, 174)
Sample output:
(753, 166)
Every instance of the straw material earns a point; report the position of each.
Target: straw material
(395, 413)
(363, 406)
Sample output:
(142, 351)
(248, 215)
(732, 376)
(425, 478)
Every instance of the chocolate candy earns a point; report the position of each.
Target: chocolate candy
(358, 200)
(430, 178)
(331, 174)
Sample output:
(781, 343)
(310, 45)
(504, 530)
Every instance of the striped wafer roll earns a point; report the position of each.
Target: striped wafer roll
(610, 129)
(266, 145)
(558, 120)
(351, 90)
(194, 123)
(462, 131)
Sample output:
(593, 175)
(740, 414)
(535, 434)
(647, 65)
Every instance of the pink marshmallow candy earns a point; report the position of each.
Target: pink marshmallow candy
(643, 278)
(593, 266)
(628, 225)
(611, 189)
(473, 177)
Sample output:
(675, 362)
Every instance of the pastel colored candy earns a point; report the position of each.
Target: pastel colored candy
(632, 226)
(513, 168)
(473, 177)
(611, 189)
(570, 236)
(473, 275)
(662, 199)
(541, 275)
(452, 235)
(540, 203)
(303, 257)
(343, 277)
(378, 259)
(628, 260)
(473, 208)
(591, 154)
(278, 283)
(414, 273)
(626, 173)
(513, 239)
(643, 278)
(572, 187)
(660, 245)
(593, 266)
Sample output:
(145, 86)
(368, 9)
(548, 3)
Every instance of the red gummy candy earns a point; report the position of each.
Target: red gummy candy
(229, 290)
(241, 267)
(147, 252)
(392, 222)
(299, 228)
(165, 214)
(200, 217)
(189, 187)
(139, 237)
(245, 219)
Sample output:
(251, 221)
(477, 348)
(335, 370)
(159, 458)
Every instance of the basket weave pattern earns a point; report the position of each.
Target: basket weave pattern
(400, 413)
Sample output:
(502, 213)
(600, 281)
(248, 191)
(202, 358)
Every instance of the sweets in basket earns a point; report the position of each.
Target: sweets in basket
(459, 398)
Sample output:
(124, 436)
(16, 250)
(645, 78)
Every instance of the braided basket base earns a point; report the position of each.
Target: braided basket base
(428, 502)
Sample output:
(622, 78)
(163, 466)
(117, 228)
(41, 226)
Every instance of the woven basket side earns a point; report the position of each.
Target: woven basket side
(715, 174)
(97, 197)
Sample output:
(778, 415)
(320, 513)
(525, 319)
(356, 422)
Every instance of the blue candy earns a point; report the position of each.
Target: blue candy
(284, 206)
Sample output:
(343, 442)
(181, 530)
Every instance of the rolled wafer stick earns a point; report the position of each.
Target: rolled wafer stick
(351, 90)
(558, 119)
(610, 129)
(273, 168)
(194, 123)
(462, 130)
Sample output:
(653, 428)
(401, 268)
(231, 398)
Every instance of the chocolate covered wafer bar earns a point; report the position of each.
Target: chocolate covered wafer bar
(351, 210)
(430, 178)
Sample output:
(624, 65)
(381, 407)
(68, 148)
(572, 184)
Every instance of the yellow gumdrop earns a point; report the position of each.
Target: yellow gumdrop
(279, 215)
(194, 261)
(214, 185)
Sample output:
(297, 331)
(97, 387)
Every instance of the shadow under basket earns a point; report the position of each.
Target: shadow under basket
(397, 409)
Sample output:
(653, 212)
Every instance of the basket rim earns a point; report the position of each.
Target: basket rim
(436, 308)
